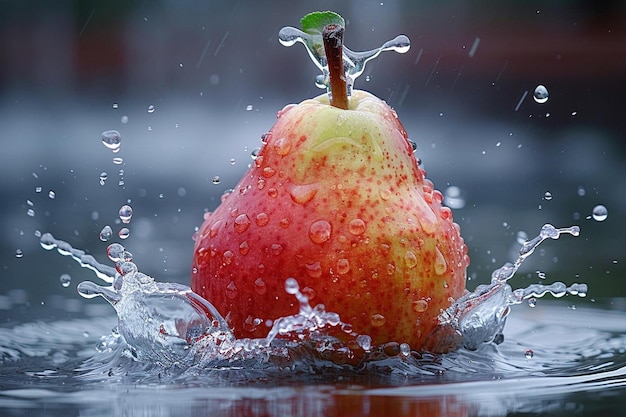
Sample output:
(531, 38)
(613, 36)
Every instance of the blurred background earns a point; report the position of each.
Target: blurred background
(192, 85)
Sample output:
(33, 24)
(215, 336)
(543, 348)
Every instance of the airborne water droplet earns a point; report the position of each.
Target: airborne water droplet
(540, 94)
(103, 177)
(126, 213)
(106, 233)
(216, 179)
(600, 213)
(151, 108)
(19, 253)
(112, 140)
(529, 354)
(51, 195)
(65, 280)
(124, 233)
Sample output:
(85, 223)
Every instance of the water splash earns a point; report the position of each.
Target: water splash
(479, 316)
(169, 325)
(353, 62)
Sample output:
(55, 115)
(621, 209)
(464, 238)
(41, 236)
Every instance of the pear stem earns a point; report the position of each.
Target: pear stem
(333, 47)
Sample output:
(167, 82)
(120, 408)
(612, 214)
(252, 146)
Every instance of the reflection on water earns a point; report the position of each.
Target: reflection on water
(579, 357)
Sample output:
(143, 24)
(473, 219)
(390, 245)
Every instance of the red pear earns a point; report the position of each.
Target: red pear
(336, 200)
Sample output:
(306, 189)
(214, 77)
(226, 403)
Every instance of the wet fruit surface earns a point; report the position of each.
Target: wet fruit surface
(345, 210)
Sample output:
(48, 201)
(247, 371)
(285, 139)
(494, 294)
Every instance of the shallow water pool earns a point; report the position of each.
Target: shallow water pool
(554, 360)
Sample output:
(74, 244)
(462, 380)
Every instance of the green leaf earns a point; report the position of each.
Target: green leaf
(314, 23)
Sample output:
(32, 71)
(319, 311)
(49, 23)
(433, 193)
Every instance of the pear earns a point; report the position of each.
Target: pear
(336, 200)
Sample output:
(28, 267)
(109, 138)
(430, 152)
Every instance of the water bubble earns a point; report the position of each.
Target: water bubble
(151, 108)
(216, 179)
(532, 302)
(255, 153)
(282, 146)
(65, 280)
(126, 213)
(242, 222)
(356, 227)
(540, 94)
(19, 253)
(529, 354)
(106, 233)
(405, 349)
(410, 259)
(112, 140)
(51, 195)
(600, 213)
(123, 233)
(262, 219)
(343, 266)
(378, 320)
(319, 231)
(103, 177)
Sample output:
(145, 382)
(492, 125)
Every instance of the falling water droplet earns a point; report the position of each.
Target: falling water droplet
(65, 280)
(600, 213)
(19, 253)
(453, 197)
(51, 195)
(151, 108)
(124, 233)
(103, 177)
(106, 233)
(547, 196)
(216, 179)
(126, 213)
(529, 354)
(232, 161)
(118, 161)
(540, 94)
(112, 140)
